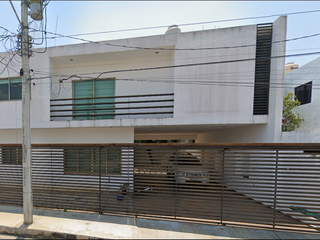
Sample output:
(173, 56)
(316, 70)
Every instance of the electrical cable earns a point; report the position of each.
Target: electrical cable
(198, 23)
(179, 49)
(43, 30)
(200, 81)
(210, 82)
(9, 42)
(210, 77)
(224, 83)
(172, 66)
(165, 60)
(45, 37)
(196, 64)
(176, 78)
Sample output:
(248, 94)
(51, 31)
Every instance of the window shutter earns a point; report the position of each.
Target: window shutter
(83, 89)
(15, 89)
(4, 91)
(104, 88)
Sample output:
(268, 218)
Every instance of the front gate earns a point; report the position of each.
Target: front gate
(269, 186)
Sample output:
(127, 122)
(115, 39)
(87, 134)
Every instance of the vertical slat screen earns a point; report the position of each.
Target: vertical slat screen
(262, 69)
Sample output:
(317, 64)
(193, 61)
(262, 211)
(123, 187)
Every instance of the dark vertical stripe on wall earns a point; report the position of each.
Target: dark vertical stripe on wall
(262, 69)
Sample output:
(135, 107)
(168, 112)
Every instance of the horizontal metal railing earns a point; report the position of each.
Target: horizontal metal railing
(269, 186)
(115, 107)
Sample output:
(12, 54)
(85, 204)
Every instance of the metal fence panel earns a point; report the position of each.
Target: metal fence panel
(274, 186)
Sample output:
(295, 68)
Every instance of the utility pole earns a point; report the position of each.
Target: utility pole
(26, 133)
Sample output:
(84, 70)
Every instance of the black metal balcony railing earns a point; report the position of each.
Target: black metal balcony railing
(115, 107)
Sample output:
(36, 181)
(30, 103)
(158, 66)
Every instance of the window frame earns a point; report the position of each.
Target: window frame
(10, 81)
(93, 163)
(306, 90)
(93, 117)
(12, 157)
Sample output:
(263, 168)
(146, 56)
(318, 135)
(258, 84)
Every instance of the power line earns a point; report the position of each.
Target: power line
(238, 73)
(172, 66)
(217, 62)
(210, 48)
(13, 50)
(196, 64)
(219, 83)
(208, 77)
(7, 30)
(210, 81)
(225, 20)
(200, 82)
(176, 80)
(177, 49)
(203, 82)
(197, 23)
(166, 60)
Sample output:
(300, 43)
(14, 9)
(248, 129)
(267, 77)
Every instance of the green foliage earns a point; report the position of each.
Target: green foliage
(290, 119)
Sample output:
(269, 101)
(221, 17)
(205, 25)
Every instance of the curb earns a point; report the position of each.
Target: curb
(43, 234)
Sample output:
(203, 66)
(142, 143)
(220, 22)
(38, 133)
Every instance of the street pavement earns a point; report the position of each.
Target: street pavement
(3, 236)
(56, 224)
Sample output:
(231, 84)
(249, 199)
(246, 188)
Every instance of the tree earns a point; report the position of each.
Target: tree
(290, 119)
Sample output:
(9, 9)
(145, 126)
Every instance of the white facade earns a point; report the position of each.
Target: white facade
(213, 101)
(309, 130)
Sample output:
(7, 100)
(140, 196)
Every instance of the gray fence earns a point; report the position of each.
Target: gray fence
(273, 186)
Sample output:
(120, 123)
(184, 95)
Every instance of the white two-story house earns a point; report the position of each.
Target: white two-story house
(207, 86)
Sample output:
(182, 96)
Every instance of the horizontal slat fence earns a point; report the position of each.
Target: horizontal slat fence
(11, 175)
(269, 186)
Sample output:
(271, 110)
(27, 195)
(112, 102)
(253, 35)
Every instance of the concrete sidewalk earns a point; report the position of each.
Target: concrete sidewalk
(74, 225)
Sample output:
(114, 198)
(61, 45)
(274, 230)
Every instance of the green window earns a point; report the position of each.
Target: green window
(89, 108)
(10, 89)
(87, 161)
(11, 156)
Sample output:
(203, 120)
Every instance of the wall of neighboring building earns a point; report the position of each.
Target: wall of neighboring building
(305, 136)
(310, 111)
(40, 96)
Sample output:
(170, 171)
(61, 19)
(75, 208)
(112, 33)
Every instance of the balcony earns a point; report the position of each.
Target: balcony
(115, 107)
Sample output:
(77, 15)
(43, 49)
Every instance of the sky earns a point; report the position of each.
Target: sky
(76, 17)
